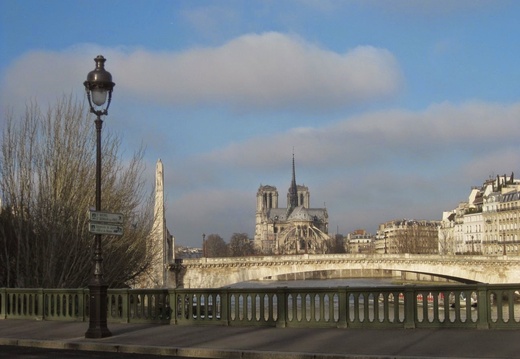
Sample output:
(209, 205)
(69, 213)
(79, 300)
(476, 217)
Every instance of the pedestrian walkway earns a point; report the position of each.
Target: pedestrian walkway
(261, 342)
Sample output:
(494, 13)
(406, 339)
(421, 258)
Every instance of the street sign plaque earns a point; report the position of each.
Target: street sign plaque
(102, 228)
(106, 217)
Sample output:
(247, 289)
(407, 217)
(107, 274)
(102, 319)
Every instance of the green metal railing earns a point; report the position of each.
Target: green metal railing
(482, 306)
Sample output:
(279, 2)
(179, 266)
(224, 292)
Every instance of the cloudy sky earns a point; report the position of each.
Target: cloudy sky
(393, 109)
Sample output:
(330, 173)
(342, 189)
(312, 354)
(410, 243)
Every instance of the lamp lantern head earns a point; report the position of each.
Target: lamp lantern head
(99, 87)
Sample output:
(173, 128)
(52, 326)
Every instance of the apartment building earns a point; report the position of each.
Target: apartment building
(408, 236)
(488, 223)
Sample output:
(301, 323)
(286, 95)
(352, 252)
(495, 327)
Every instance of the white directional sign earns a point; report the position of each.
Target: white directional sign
(101, 228)
(106, 217)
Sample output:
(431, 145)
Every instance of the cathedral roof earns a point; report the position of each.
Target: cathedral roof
(300, 213)
(278, 214)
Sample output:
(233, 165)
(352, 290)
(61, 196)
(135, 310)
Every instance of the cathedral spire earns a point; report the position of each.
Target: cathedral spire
(293, 191)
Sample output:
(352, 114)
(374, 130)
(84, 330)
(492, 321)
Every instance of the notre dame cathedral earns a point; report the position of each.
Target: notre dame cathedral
(296, 229)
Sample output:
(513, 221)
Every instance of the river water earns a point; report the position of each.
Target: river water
(317, 283)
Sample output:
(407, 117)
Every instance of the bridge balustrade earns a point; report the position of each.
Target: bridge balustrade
(317, 307)
(448, 306)
(138, 306)
(21, 303)
(199, 306)
(64, 304)
(50, 304)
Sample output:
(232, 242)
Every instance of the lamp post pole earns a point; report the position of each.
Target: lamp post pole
(204, 245)
(98, 85)
(275, 235)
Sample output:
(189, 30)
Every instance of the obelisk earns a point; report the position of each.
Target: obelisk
(159, 230)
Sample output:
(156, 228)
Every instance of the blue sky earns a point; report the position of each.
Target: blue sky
(394, 108)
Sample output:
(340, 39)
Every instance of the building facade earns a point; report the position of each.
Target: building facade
(488, 223)
(292, 230)
(360, 241)
(501, 216)
(407, 236)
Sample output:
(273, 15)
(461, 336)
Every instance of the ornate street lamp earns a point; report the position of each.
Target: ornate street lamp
(99, 87)
(204, 245)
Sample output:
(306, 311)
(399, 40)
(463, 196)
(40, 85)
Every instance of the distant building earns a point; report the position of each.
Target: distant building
(360, 241)
(488, 223)
(187, 252)
(291, 230)
(408, 236)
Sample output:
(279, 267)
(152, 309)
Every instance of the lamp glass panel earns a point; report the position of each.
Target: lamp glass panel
(99, 97)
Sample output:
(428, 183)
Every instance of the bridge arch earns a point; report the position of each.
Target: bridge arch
(367, 273)
(219, 272)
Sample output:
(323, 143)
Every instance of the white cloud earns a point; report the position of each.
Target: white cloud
(255, 71)
(499, 161)
(375, 137)
(271, 70)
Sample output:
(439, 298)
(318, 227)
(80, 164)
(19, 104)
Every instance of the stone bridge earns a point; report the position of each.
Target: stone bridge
(219, 272)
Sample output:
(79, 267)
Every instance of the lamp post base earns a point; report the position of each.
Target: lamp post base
(98, 312)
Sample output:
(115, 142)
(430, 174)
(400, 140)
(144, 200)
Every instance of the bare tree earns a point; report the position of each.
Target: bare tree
(240, 245)
(406, 240)
(47, 177)
(445, 240)
(215, 246)
(417, 237)
(337, 244)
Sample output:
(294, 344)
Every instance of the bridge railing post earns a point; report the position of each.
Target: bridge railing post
(226, 307)
(343, 307)
(281, 320)
(172, 298)
(39, 305)
(410, 306)
(483, 307)
(124, 306)
(3, 303)
(80, 293)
